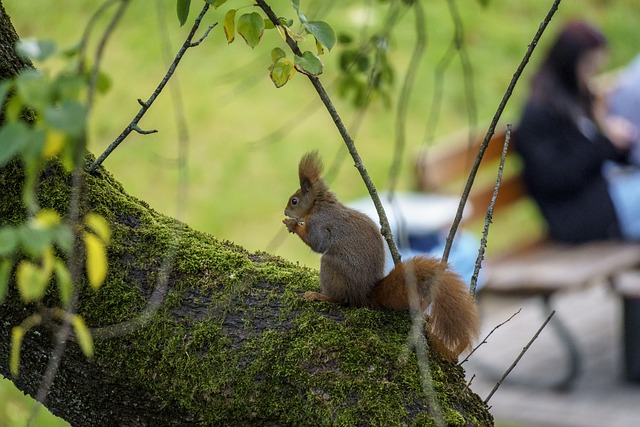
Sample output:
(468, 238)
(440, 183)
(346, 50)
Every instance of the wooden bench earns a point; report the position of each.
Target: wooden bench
(526, 264)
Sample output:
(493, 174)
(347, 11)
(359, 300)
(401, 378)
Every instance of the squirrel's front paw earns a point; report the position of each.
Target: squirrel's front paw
(291, 224)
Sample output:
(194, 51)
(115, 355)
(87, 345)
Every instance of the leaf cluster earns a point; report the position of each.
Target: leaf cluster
(45, 117)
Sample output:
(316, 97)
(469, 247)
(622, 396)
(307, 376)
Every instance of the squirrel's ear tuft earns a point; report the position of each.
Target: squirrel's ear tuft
(310, 169)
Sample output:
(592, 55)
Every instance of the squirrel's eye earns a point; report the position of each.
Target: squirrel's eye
(294, 201)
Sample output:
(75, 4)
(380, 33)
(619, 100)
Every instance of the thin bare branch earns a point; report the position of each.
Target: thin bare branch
(157, 297)
(515, 362)
(84, 41)
(492, 127)
(95, 71)
(489, 215)
(144, 132)
(405, 94)
(467, 69)
(145, 105)
(337, 120)
(484, 340)
(418, 342)
(457, 46)
(75, 263)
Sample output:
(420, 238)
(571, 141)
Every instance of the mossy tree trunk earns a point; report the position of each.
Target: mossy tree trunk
(232, 342)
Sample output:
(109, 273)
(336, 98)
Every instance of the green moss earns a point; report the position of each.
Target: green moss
(235, 344)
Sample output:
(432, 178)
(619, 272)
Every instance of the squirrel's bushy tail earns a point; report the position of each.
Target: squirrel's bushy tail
(415, 284)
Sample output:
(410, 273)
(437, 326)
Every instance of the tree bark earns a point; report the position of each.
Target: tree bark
(232, 341)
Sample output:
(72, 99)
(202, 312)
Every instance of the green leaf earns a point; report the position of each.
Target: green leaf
(99, 226)
(82, 333)
(32, 281)
(14, 136)
(17, 334)
(69, 117)
(34, 240)
(322, 32)
(33, 89)
(182, 9)
(69, 86)
(309, 63)
(9, 240)
(63, 237)
(96, 260)
(5, 272)
(251, 27)
(276, 54)
(38, 50)
(281, 71)
(229, 25)
(63, 278)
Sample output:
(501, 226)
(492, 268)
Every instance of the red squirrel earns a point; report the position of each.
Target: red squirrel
(352, 265)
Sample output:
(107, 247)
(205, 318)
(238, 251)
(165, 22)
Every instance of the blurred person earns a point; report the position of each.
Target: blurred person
(568, 148)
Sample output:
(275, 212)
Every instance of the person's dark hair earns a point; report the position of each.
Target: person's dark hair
(556, 82)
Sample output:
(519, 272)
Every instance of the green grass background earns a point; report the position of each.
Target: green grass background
(238, 180)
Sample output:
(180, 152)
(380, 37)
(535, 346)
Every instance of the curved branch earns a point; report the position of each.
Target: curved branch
(489, 215)
(188, 43)
(405, 94)
(337, 120)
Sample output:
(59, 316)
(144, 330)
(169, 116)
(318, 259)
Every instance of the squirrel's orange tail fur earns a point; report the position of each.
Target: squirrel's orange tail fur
(415, 284)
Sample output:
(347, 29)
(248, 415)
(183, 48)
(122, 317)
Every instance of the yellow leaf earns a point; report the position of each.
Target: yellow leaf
(298, 38)
(82, 333)
(65, 286)
(53, 143)
(32, 281)
(229, 25)
(96, 260)
(98, 225)
(17, 333)
(46, 218)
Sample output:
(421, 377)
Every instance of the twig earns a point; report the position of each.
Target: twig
(405, 94)
(93, 79)
(337, 120)
(76, 253)
(87, 32)
(456, 45)
(154, 303)
(418, 341)
(515, 362)
(484, 340)
(468, 386)
(467, 69)
(492, 127)
(157, 297)
(489, 215)
(145, 105)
